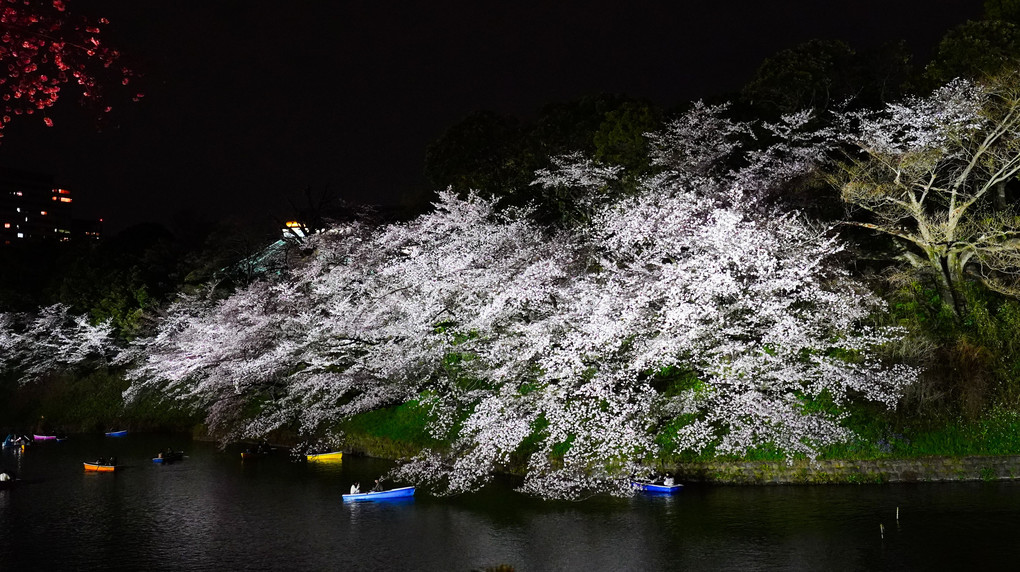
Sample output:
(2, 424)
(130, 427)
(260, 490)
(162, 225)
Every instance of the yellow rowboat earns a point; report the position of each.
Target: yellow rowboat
(325, 457)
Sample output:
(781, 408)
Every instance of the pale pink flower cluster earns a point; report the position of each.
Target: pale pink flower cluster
(52, 340)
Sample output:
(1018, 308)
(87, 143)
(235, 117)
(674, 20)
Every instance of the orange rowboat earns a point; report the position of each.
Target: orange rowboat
(99, 468)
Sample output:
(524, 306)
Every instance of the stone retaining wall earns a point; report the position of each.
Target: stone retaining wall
(929, 469)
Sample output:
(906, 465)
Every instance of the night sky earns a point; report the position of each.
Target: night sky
(248, 102)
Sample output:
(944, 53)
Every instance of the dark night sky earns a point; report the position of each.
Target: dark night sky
(249, 102)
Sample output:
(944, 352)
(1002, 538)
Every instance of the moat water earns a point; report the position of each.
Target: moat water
(214, 512)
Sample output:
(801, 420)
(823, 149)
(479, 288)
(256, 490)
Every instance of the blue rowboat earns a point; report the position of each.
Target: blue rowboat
(167, 458)
(117, 433)
(392, 494)
(656, 489)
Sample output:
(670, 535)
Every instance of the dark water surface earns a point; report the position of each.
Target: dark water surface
(214, 512)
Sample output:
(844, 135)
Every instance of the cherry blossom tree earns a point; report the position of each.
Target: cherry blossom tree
(45, 48)
(691, 274)
(8, 340)
(365, 323)
(931, 172)
(52, 340)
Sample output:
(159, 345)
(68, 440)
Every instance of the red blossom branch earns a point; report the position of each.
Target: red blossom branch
(43, 49)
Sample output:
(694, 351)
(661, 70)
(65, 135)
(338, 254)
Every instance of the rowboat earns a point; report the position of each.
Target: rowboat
(168, 458)
(250, 455)
(656, 488)
(117, 433)
(260, 450)
(17, 441)
(100, 467)
(325, 457)
(392, 494)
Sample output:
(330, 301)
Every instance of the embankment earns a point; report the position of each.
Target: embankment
(922, 469)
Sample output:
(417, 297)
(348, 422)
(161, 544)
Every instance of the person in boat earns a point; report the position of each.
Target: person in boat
(668, 480)
(378, 487)
(355, 488)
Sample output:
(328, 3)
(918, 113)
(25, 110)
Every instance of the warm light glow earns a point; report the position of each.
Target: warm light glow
(63, 191)
(65, 200)
(293, 228)
(7, 225)
(43, 213)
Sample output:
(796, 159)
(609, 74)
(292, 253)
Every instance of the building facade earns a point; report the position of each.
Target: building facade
(33, 208)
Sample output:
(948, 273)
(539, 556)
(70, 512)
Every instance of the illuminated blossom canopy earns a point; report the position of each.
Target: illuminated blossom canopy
(688, 316)
(52, 340)
(689, 312)
(44, 48)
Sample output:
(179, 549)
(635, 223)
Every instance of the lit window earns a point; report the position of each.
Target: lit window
(43, 213)
(18, 193)
(7, 225)
(65, 199)
(54, 198)
(21, 235)
(19, 209)
(63, 191)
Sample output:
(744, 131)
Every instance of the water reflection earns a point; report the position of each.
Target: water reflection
(211, 511)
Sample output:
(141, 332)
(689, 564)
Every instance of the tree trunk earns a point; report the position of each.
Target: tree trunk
(952, 271)
(1000, 195)
(947, 281)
